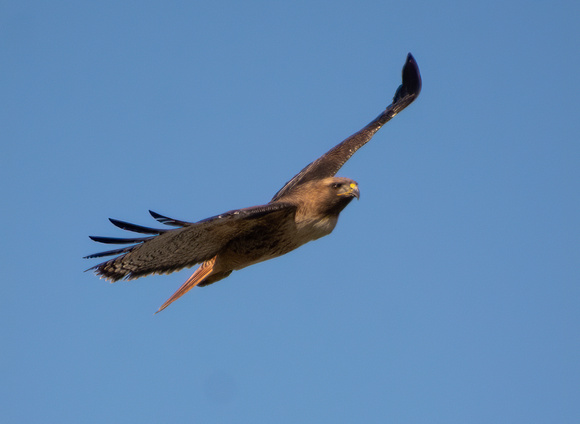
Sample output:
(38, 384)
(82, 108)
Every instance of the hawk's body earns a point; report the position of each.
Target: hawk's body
(305, 209)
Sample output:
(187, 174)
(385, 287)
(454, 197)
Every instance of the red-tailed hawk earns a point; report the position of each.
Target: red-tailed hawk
(305, 209)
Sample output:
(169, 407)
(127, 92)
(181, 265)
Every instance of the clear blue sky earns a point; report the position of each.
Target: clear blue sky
(449, 293)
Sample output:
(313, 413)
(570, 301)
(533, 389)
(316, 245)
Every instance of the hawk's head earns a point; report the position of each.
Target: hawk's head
(328, 196)
(342, 188)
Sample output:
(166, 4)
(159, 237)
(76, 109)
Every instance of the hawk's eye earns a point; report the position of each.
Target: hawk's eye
(336, 185)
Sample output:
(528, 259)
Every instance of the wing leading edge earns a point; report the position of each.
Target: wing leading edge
(328, 164)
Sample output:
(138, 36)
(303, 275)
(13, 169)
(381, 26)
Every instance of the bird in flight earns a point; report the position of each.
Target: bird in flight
(304, 209)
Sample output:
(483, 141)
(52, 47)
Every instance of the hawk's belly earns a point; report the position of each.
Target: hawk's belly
(265, 242)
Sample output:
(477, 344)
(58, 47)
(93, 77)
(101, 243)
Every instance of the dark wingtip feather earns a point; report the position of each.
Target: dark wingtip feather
(135, 228)
(116, 240)
(109, 253)
(166, 220)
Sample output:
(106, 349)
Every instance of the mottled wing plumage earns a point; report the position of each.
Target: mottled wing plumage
(328, 164)
(178, 248)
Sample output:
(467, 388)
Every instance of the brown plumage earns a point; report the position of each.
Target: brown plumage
(305, 209)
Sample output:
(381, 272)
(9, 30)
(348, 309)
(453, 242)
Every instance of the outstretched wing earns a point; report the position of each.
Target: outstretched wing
(164, 251)
(328, 164)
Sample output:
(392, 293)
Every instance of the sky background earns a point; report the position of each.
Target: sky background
(449, 293)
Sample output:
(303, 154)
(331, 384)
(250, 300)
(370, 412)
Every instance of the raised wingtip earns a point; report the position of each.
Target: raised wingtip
(411, 86)
(411, 77)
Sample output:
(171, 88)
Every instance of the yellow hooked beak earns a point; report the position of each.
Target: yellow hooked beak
(351, 190)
